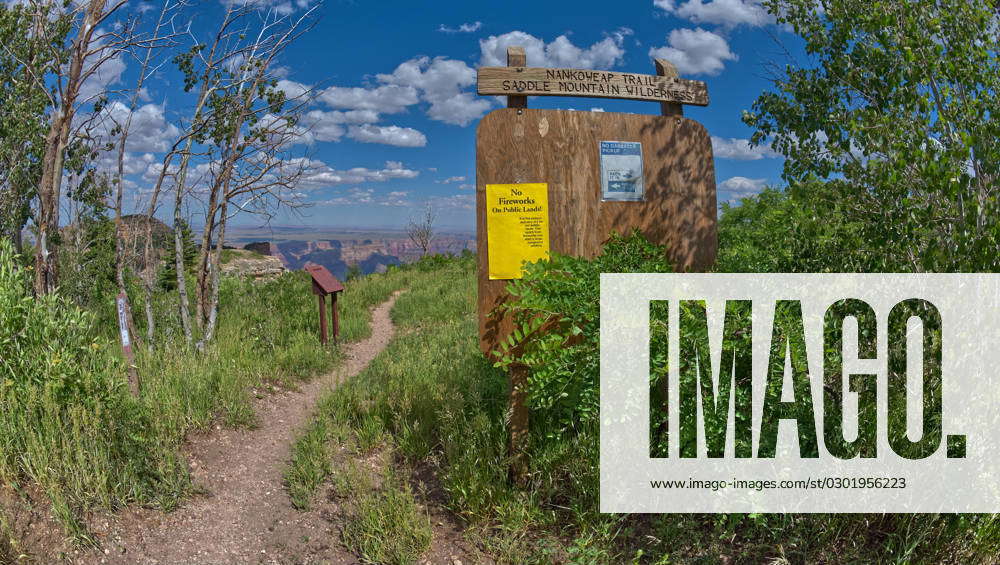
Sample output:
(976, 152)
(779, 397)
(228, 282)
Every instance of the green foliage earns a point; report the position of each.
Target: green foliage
(437, 402)
(168, 274)
(354, 272)
(805, 229)
(899, 113)
(25, 103)
(387, 526)
(64, 407)
(556, 308)
(64, 404)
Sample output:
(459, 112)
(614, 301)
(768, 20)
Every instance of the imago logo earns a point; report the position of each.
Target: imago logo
(800, 393)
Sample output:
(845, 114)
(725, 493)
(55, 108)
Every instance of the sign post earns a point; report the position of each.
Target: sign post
(324, 283)
(125, 335)
(602, 172)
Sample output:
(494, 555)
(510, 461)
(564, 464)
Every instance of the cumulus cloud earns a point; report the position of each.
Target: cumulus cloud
(388, 135)
(455, 202)
(395, 198)
(440, 82)
(108, 72)
(149, 131)
(328, 126)
(450, 180)
(561, 52)
(358, 195)
(738, 183)
(734, 188)
(726, 13)
(464, 28)
(318, 174)
(740, 149)
(695, 51)
(292, 89)
(385, 99)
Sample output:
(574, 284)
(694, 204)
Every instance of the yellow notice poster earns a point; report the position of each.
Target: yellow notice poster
(517, 226)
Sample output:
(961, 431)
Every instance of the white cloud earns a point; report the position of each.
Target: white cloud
(388, 135)
(358, 195)
(740, 187)
(395, 198)
(738, 183)
(321, 125)
(326, 126)
(386, 99)
(561, 52)
(318, 174)
(455, 202)
(726, 13)
(695, 51)
(466, 186)
(440, 82)
(149, 131)
(293, 89)
(133, 164)
(450, 180)
(108, 73)
(464, 28)
(740, 149)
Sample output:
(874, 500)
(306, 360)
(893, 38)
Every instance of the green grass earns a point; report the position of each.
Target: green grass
(432, 400)
(386, 525)
(71, 429)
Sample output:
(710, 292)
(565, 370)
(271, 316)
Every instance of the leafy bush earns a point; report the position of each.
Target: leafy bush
(64, 407)
(556, 309)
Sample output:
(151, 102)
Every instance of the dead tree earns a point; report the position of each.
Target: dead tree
(252, 127)
(145, 49)
(422, 233)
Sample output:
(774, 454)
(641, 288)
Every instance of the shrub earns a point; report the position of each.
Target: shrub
(64, 406)
(556, 309)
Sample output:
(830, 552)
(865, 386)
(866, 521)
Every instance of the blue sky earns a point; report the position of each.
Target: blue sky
(393, 108)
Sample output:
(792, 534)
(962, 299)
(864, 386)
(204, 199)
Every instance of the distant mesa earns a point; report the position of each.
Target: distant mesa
(371, 254)
(261, 247)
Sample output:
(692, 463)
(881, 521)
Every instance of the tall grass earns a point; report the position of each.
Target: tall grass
(431, 399)
(68, 425)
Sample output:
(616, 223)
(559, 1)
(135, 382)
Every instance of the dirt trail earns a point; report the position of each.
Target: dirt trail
(245, 515)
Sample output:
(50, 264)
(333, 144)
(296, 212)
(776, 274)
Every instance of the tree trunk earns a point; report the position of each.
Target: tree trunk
(213, 305)
(46, 259)
(151, 265)
(179, 264)
(201, 288)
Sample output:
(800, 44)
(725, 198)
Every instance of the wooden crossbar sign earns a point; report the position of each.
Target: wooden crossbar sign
(563, 181)
(535, 81)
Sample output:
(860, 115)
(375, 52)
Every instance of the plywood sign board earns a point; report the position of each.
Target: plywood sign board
(563, 150)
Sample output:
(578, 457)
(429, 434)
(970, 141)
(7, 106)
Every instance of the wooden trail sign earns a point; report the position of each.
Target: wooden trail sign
(603, 172)
(324, 283)
(535, 81)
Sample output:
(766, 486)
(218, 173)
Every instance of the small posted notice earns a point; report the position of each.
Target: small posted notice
(621, 170)
(517, 227)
